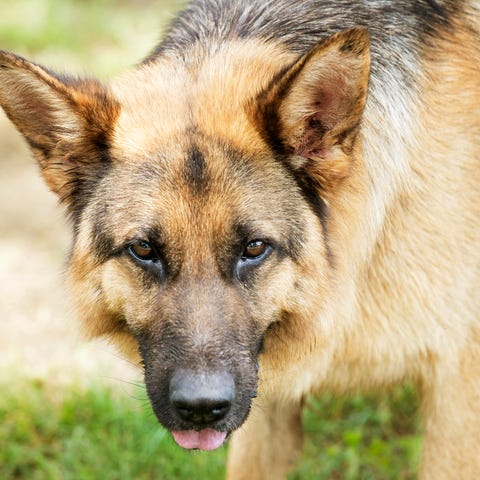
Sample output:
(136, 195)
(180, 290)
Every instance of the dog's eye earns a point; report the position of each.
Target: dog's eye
(253, 255)
(146, 256)
(254, 249)
(142, 250)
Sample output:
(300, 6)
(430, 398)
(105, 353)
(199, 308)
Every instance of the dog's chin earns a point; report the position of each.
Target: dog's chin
(206, 439)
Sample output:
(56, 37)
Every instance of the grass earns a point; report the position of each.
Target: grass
(362, 437)
(100, 433)
(93, 433)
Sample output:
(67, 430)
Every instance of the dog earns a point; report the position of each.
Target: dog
(282, 198)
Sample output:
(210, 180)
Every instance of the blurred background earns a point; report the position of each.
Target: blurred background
(71, 409)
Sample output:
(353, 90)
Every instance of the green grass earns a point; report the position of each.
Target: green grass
(95, 433)
(362, 437)
(100, 433)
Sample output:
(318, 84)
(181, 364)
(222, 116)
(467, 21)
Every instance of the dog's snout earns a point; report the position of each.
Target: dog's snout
(202, 399)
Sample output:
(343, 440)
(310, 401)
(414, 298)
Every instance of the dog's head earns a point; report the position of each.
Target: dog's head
(197, 198)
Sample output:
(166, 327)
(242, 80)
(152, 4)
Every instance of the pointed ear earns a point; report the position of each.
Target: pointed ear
(67, 123)
(312, 111)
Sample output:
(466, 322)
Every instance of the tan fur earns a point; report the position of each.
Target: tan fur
(399, 301)
(409, 315)
(233, 75)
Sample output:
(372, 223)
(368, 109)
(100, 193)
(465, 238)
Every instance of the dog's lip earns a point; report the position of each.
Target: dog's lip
(206, 439)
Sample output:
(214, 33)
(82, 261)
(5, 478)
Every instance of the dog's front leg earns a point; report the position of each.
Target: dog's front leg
(452, 416)
(267, 445)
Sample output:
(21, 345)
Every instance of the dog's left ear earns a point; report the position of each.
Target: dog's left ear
(312, 110)
(67, 123)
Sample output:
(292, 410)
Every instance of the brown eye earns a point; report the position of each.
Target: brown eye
(255, 249)
(142, 250)
(146, 255)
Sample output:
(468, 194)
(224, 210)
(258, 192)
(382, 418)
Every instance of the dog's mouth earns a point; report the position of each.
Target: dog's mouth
(206, 439)
(200, 407)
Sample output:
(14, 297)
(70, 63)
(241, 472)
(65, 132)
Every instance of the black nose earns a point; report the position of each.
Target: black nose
(201, 398)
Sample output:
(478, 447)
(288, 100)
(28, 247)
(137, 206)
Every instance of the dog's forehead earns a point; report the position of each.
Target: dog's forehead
(163, 100)
(194, 191)
(185, 144)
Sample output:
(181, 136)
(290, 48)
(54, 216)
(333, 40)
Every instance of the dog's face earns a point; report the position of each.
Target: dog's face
(200, 229)
(196, 255)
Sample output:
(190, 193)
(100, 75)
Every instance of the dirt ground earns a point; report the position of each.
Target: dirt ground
(38, 336)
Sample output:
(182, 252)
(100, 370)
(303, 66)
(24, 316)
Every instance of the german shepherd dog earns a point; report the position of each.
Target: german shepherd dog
(283, 198)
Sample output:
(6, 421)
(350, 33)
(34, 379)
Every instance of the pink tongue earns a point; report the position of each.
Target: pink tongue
(207, 439)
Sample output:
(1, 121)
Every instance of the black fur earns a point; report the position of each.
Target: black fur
(400, 27)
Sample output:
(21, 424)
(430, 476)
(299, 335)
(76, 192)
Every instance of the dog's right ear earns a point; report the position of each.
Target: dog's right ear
(67, 123)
